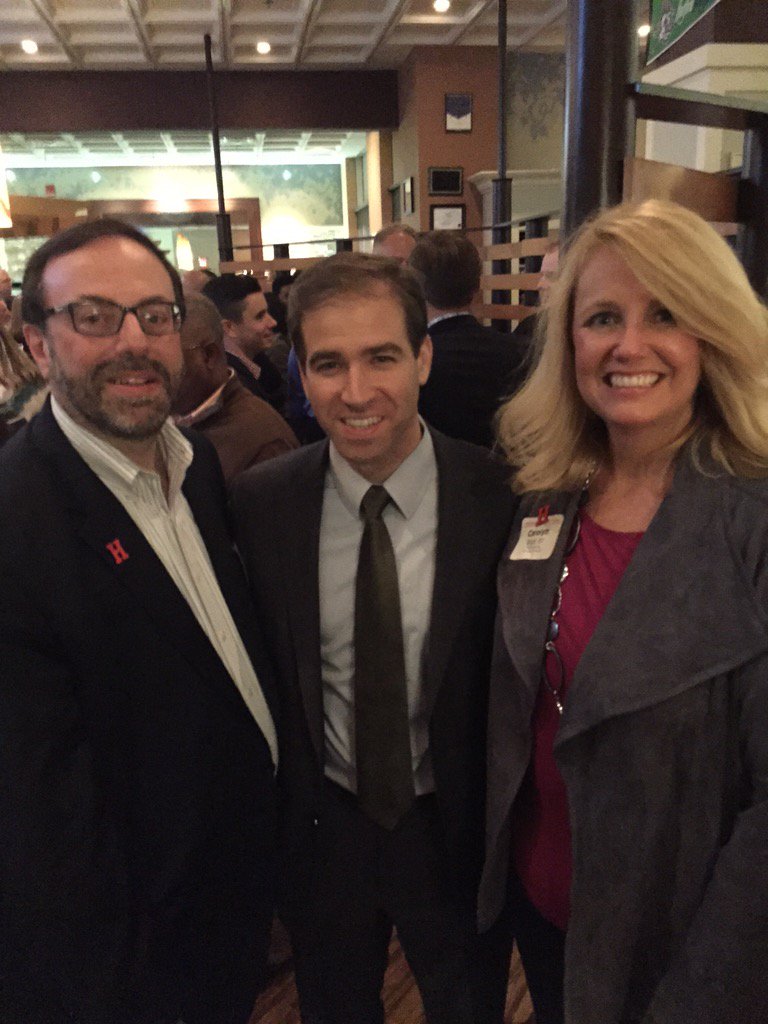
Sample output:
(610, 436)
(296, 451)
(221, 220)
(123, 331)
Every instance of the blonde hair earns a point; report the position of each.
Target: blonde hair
(546, 429)
(16, 367)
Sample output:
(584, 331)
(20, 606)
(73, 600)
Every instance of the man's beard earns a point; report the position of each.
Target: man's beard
(128, 418)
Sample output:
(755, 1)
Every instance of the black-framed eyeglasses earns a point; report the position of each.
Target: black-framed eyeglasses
(101, 318)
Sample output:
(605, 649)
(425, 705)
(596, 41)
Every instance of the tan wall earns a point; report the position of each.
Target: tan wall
(428, 75)
(405, 141)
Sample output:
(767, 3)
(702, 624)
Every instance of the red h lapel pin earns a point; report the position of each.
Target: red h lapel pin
(118, 552)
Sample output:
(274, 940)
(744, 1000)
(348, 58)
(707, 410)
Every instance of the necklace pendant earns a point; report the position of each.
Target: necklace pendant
(558, 705)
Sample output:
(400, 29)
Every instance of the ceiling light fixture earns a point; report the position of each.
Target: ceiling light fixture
(441, 6)
(263, 47)
(644, 31)
(29, 46)
(10, 175)
(287, 175)
(95, 177)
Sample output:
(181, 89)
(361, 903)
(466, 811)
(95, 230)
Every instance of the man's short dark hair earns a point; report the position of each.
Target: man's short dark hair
(283, 278)
(77, 237)
(228, 293)
(449, 266)
(350, 274)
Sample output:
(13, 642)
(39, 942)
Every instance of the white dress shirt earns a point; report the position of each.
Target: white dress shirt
(412, 525)
(171, 531)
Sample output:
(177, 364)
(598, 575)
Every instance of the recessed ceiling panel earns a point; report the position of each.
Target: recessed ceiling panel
(82, 34)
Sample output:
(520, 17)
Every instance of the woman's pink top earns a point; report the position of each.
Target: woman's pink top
(541, 831)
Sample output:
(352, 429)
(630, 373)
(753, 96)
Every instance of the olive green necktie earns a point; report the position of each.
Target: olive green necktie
(382, 737)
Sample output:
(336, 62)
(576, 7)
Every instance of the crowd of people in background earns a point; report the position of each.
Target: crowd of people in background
(336, 600)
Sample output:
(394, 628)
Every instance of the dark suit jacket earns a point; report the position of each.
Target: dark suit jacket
(474, 368)
(278, 508)
(269, 386)
(136, 793)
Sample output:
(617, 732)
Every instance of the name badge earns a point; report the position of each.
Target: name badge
(538, 536)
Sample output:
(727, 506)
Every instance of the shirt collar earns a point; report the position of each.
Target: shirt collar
(447, 316)
(207, 408)
(406, 486)
(234, 349)
(114, 468)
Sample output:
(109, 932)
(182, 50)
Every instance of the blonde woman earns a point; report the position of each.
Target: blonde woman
(627, 825)
(20, 380)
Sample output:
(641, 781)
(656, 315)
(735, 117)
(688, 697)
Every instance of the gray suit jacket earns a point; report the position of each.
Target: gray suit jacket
(277, 508)
(663, 747)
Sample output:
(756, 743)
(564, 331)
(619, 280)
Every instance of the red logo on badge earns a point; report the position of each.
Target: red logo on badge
(118, 552)
(543, 516)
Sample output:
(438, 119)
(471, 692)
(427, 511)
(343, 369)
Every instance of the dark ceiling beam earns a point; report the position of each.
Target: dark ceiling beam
(156, 100)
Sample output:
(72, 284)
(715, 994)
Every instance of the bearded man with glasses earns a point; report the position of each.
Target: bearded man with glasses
(137, 745)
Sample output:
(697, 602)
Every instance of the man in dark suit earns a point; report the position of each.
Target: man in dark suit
(473, 367)
(380, 623)
(137, 743)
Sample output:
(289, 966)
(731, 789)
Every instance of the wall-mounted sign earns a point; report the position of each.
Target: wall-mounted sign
(670, 19)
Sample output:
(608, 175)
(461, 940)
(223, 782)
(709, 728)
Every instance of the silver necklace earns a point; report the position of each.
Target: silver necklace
(553, 627)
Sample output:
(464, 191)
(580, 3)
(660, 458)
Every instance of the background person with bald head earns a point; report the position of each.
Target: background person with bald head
(243, 429)
(395, 241)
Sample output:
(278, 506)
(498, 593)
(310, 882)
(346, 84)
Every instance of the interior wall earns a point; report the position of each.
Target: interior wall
(536, 113)
(461, 69)
(736, 70)
(405, 141)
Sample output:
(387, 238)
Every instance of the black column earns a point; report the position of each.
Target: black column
(753, 204)
(502, 192)
(223, 223)
(599, 124)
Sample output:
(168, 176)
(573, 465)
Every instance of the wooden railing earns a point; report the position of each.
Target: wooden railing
(512, 283)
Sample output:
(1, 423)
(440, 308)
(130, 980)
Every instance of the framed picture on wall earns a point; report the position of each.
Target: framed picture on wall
(458, 111)
(396, 196)
(447, 218)
(408, 197)
(445, 181)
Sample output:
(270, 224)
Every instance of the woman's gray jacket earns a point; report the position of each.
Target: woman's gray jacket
(664, 750)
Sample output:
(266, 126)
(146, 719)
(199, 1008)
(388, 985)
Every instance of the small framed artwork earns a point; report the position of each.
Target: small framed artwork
(447, 218)
(458, 111)
(396, 196)
(445, 181)
(408, 197)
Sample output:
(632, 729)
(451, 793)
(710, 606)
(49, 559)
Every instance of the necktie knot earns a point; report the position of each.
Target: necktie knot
(375, 500)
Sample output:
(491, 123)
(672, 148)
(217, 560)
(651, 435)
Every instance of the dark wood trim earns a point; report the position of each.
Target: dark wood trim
(682, 106)
(53, 101)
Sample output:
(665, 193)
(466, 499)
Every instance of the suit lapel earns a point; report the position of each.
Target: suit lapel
(206, 507)
(678, 616)
(461, 516)
(529, 587)
(106, 528)
(303, 601)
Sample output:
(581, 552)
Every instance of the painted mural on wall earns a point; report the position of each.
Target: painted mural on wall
(536, 110)
(312, 193)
